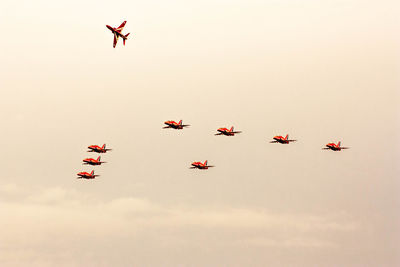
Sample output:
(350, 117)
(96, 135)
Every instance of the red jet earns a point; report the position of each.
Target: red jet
(174, 125)
(201, 166)
(334, 147)
(90, 161)
(227, 132)
(86, 175)
(96, 148)
(117, 33)
(282, 140)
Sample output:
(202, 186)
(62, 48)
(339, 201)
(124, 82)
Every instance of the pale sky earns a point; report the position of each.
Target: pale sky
(320, 71)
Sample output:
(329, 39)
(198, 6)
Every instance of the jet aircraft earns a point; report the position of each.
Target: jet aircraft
(174, 125)
(90, 161)
(86, 175)
(334, 147)
(98, 149)
(227, 132)
(201, 166)
(117, 33)
(282, 140)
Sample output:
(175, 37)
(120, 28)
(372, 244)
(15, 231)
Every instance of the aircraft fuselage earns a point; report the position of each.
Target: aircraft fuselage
(226, 132)
(86, 175)
(200, 166)
(281, 140)
(333, 147)
(91, 162)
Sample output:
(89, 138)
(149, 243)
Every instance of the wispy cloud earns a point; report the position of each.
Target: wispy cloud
(56, 220)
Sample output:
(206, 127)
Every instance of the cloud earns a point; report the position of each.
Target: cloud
(43, 225)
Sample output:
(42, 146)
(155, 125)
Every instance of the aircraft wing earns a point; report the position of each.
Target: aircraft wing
(115, 40)
(121, 27)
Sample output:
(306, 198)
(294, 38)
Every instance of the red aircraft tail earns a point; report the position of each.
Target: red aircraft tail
(338, 144)
(287, 136)
(92, 173)
(98, 159)
(104, 146)
(125, 37)
(231, 129)
(180, 122)
(205, 163)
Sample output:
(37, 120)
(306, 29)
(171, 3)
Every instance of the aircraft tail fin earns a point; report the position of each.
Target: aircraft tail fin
(231, 129)
(92, 173)
(98, 159)
(287, 137)
(125, 37)
(205, 163)
(104, 146)
(338, 144)
(180, 122)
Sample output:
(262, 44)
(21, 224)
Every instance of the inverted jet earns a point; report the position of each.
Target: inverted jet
(117, 33)
(227, 132)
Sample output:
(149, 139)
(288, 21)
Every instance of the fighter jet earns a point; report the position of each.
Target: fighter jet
(96, 148)
(227, 132)
(282, 140)
(117, 33)
(201, 166)
(86, 175)
(90, 161)
(174, 125)
(334, 147)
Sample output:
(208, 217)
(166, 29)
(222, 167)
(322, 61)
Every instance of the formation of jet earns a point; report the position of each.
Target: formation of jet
(227, 132)
(201, 166)
(334, 147)
(175, 125)
(86, 175)
(117, 33)
(282, 140)
(98, 149)
(91, 161)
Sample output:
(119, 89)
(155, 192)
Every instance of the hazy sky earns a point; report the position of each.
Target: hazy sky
(321, 71)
